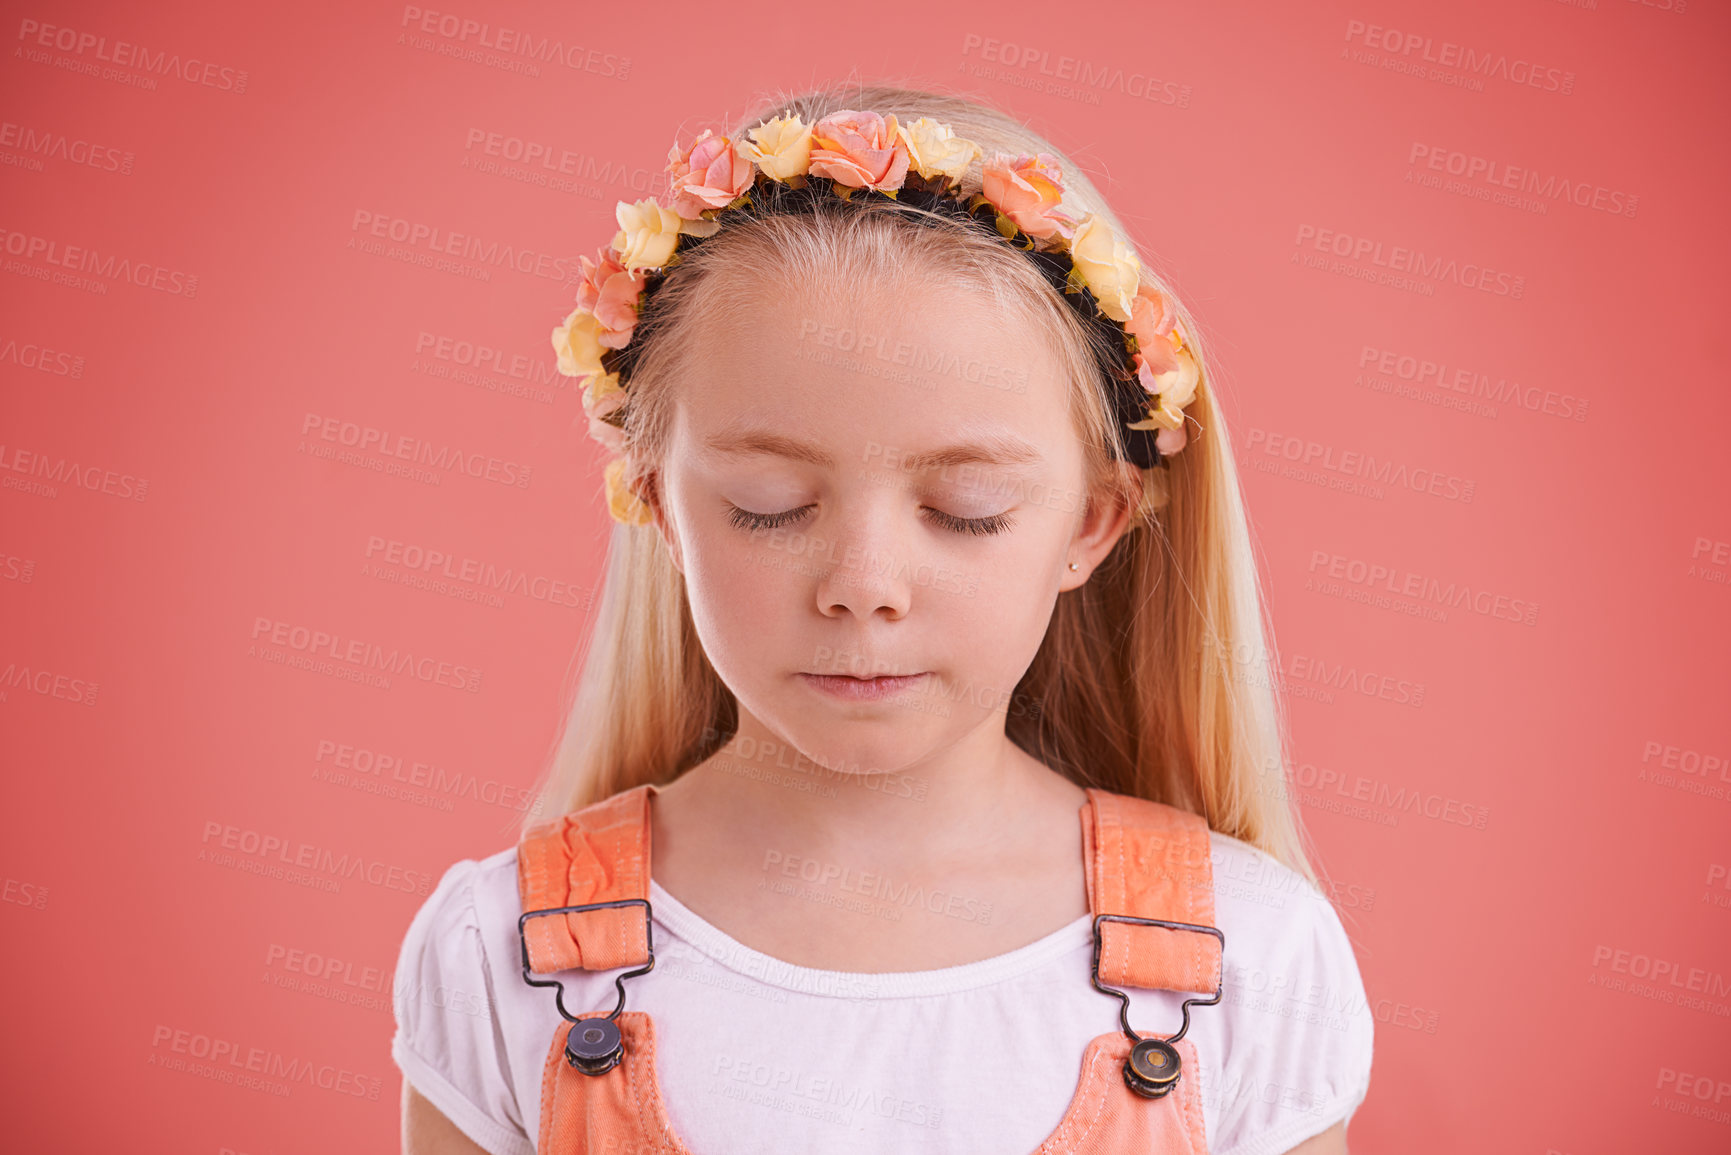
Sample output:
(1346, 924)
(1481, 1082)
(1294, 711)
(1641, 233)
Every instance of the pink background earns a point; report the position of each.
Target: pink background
(1557, 979)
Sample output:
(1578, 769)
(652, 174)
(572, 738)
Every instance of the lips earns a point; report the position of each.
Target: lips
(850, 688)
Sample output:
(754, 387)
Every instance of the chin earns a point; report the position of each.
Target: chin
(886, 741)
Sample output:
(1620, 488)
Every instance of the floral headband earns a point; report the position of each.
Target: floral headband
(861, 155)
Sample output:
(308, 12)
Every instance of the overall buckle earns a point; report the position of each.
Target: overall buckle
(1152, 1069)
(594, 1045)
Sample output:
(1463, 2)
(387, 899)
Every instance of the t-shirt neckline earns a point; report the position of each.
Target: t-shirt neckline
(720, 947)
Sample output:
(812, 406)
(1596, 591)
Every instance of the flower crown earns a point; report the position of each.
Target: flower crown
(859, 155)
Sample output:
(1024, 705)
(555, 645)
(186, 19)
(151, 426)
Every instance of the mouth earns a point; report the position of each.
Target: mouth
(852, 689)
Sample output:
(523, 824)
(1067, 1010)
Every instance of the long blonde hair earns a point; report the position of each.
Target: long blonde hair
(1154, 676)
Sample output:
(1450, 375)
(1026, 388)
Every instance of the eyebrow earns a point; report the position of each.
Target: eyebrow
(995, 449)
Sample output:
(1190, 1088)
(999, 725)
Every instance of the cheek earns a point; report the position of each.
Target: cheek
(738, 592)
(995, 609)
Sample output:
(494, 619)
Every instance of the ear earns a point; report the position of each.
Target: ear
(649, 491)
(1107, 520)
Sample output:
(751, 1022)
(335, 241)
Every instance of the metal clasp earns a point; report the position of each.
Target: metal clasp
(594, 1045)
(1153, 1066)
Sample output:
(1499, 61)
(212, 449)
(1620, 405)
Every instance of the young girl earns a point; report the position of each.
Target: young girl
(918, 794)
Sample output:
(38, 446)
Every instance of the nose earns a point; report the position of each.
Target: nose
(869, 573)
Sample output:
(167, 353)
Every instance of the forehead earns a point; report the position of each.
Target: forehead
(863, 368)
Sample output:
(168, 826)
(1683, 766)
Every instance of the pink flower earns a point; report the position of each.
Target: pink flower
(1164, 363)
(611, 292)
(1168, 372)
(859, 149)
(709, 175)
(1152, 315)
(602, 396)
(1028, 190)
(613, 440)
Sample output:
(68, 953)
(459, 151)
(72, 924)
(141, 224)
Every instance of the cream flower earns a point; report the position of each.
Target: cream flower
(648, 233)
(1168, 424)
(1110, 267)
(1161, 415)
(1169, 371)
(780, 147)
(625, 506)
(602, 394)
(935, 151)
(577, 341)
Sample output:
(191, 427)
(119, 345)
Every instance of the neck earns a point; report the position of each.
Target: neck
(957, 803)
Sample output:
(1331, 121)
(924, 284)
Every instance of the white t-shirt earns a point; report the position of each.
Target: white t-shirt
(758, 1057)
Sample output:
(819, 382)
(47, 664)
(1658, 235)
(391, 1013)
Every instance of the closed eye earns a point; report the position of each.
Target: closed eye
(752, 522)
(997, 523)
(746, 520)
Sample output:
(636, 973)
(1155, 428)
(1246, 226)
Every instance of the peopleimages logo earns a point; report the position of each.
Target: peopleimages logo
(75, 264)
(1068, 76)
(223, 842)
(432, 242)
(311, 644)
(1499, 177)
(259, 1068)
(37, 145)
(88, 47)
(1421, 595)
(1403, 259)
(478, 41)
(43, 474)
(1462, 388)
(367, 439)
(557, 160)
(41, 358)
(1345, 468)
(1416, 49)
(46, 683)
(389, 559)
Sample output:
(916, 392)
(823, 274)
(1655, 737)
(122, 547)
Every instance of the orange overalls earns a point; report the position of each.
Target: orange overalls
(1150, 889)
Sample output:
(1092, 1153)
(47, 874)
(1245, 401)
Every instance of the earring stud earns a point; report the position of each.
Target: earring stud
(1073, 565)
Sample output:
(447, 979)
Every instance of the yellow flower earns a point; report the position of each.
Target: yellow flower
(577, 341)
(1161, 415)
(603, 394)
(625, 506)
(781, 147)
(1168, 368)
(1178, 384)
(648, 232)
(936, 150)
(1110, 267)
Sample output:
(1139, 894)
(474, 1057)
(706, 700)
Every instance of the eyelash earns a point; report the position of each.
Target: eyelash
(997, 523)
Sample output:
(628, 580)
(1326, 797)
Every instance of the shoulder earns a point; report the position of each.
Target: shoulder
(452, 909)
(444, 964)
(457, 928)
(1298, 1030)
(1272, 906)
(445, 1001)
(1283, 936)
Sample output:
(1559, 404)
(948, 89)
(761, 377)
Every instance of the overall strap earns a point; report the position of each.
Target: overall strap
(597, 854)
(1150, 860)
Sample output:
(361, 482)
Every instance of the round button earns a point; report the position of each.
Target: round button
(1152, 1068)
(594, 1046)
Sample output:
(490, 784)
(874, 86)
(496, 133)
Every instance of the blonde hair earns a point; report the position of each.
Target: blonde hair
(1133, 688)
